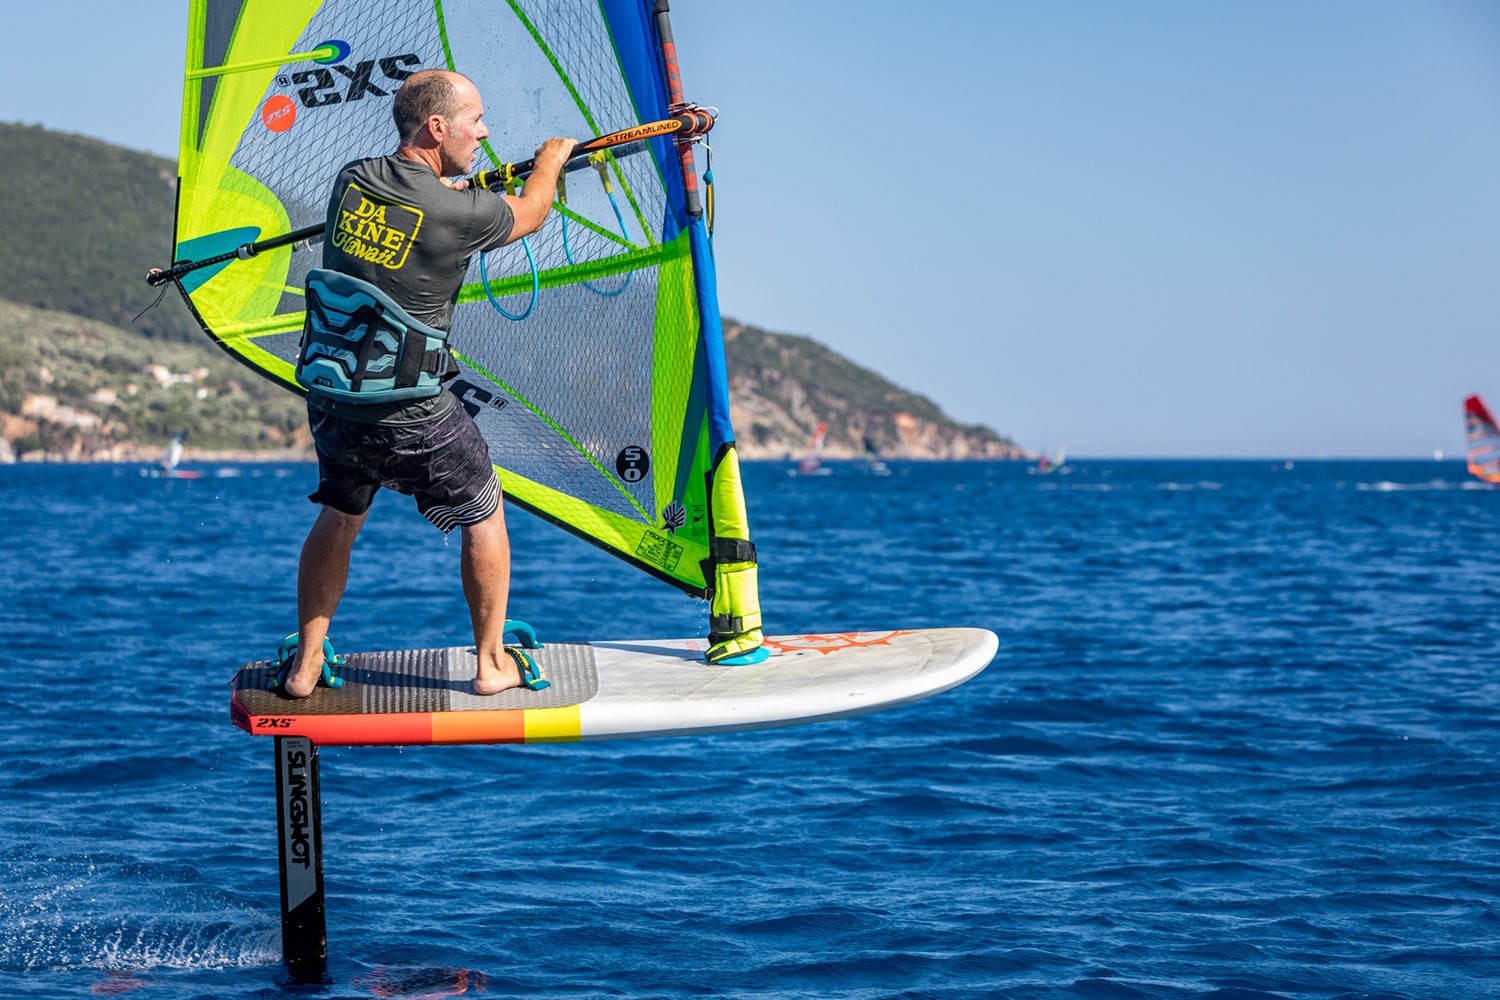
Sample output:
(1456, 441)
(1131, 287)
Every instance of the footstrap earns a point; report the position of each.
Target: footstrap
(523, 632)
(286, 659)
(531, 674)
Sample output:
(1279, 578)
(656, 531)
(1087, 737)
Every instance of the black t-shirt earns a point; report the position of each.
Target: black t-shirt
(394, 223)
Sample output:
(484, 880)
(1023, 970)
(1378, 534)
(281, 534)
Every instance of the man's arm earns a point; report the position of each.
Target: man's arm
(531, 206)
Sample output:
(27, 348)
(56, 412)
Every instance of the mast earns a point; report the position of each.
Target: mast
(734, 589)
(675, 99)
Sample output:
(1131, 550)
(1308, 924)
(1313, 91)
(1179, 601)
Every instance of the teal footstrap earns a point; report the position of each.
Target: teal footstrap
(525, 634)
(286, 659)
(531, 674)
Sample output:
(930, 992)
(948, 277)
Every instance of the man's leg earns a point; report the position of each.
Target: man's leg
(321, 577)
(486, 576)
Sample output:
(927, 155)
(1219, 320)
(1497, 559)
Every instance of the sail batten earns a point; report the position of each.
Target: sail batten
(606, 407)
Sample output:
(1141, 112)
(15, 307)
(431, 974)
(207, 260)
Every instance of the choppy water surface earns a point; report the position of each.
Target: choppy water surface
(1240, 742)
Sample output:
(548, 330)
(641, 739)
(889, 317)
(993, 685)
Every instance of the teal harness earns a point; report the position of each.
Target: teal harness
(359, 346)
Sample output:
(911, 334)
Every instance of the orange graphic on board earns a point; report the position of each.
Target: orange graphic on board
(832, 642)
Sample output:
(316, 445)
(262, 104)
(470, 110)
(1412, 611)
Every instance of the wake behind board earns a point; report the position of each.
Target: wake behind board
(615, 690)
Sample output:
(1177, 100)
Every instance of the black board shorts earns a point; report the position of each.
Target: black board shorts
(444, 463)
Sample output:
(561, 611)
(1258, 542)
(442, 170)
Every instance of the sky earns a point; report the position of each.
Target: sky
(1155, 228)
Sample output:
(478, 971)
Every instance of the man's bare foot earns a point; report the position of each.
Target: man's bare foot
(504, 677)
(303, 682)
(501, 675)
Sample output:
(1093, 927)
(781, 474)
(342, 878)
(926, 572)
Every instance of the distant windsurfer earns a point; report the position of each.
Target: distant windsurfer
(400, 225)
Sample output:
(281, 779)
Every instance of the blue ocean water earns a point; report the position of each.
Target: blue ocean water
(1240, 742)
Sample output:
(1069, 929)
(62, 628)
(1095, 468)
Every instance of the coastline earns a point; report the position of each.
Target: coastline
(138, 456)
(190, 456)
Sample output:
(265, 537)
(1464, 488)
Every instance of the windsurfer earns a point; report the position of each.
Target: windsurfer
(401, 225)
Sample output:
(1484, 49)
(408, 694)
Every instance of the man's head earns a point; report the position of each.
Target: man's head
(439, 115)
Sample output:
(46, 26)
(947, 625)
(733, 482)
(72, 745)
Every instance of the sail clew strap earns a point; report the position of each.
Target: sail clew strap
(733, 550)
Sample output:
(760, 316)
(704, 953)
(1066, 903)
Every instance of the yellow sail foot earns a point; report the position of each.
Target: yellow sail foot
(734, 606)
(735, 610)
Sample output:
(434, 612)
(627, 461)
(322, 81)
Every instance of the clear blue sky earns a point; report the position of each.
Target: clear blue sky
(1240, 227)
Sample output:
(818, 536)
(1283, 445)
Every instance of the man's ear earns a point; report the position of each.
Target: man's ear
(437, 127)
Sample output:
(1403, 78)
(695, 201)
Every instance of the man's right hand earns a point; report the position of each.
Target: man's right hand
(535, 201)
(555, 149)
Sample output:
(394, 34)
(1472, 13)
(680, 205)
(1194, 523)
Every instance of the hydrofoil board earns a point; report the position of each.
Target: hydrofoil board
(614, 690)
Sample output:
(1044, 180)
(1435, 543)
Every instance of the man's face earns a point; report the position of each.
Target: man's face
(465, 131)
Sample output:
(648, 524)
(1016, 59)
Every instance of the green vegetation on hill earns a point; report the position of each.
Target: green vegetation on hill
(84, 222)
(76, 387)
(750, 350)
(785, 385)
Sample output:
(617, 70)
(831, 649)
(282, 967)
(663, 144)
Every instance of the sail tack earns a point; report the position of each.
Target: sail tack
(606, 405)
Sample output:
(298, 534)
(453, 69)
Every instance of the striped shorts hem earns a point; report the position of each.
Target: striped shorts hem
(446, 518)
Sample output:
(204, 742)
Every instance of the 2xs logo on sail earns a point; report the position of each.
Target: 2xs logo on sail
(341, 84)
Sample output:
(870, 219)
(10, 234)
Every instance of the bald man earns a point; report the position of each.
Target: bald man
(402, 227)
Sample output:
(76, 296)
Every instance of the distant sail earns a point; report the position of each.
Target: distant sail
(165, 467)
(591, 354)
(173, 454)
(1484, 440)
(1051, 463)
(810, 465)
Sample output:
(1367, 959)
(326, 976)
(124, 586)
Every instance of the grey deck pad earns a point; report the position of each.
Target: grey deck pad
(425, 680)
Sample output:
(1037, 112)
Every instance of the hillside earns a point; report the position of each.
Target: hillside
(783, 386)
(85, 220)
(79, 380)
(77, 389)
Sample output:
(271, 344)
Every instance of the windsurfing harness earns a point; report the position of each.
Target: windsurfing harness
(359, 346)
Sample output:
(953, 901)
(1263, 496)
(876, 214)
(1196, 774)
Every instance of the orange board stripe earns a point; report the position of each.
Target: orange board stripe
(505, 725)
(394, 729)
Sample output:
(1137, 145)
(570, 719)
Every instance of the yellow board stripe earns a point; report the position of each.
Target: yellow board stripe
(554, 725)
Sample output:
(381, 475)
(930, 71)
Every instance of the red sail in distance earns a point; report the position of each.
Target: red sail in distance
(1484, 440)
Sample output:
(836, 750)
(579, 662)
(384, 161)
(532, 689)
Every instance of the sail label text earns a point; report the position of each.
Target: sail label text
(473, 397)
(374, 230)
(632, 464)
(658, 551)
(321, 87)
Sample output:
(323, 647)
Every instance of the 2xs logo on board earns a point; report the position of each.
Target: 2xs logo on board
(341, 82)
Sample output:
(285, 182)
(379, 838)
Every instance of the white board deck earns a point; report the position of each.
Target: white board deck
(616, 689)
